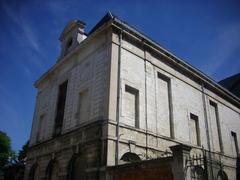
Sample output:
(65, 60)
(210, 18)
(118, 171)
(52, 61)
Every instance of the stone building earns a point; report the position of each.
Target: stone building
(116, 105)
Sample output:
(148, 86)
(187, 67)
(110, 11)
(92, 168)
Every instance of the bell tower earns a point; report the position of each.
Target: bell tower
(72, 35)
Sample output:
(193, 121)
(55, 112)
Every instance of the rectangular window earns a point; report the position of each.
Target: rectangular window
(62, 93)
(235, 143)
(83, 106)
(215, 127)
(132, 106)
(194, 130)
(40, 132)
(164, 108)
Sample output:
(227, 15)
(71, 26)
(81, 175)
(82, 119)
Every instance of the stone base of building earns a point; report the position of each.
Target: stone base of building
(83, 153)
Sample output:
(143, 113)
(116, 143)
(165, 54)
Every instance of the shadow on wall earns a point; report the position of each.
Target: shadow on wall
(238, 167)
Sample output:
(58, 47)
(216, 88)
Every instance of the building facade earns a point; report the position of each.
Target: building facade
(116, 104)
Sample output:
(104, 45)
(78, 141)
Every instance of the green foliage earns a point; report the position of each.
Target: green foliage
(5, 149)
(7, 156)
(23, 152)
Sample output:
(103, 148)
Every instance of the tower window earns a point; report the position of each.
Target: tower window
(132, 106)
(62, 92)
(216, 131)
(194, 130)
(69, 43)
(164, 108)
(83, 106)
(235, 142)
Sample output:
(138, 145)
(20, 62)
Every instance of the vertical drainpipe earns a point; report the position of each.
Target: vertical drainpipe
(206, 126)
(119, 102)
(145, 59)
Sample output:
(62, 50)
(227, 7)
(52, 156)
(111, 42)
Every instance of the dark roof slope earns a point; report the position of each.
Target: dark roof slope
(109, 16)
(232, 83)
(105, 18)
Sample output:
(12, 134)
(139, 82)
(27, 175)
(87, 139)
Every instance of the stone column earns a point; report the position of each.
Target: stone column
(181, 153)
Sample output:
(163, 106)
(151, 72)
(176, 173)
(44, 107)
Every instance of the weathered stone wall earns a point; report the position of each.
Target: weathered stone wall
(139, 70)
(86, 69)
(85, 141)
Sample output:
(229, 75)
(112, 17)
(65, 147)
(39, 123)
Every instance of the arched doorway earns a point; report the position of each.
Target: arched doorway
(77, 166)
(198, 173)
(130, 157)
(222, 175)
(52, 170)
(34, 172)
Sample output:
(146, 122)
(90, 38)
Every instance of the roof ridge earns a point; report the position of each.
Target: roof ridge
(108, 16)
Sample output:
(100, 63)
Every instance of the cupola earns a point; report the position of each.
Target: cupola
(72, 35)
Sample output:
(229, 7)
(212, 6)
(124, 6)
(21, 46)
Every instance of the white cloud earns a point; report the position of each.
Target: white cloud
(27, 31)
(227, 43)
(27, 71)
(25, 36)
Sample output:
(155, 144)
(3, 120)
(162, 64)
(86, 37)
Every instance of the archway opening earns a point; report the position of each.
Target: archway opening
(198, 173)
(77, 166)
(52, 170)
(34, 172)
(222, 175)
(130, 157)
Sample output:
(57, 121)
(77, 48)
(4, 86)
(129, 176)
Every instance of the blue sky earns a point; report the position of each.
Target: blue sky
(205, 33)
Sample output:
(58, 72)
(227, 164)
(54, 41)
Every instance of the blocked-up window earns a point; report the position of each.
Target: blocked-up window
(40, 132)
(215, 127)
(83, 106)
(62, 93)
(131, 106)
(164, 124)
(235, 143)
(194, 130)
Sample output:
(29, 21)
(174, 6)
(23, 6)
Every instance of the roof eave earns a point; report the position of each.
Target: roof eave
(177, 60)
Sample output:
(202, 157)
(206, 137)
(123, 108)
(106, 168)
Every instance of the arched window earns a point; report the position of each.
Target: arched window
(130, 157)
(198, 173)
(76, 168)
(222, 175)
(52, 170)
(34, 172)
(69, 43)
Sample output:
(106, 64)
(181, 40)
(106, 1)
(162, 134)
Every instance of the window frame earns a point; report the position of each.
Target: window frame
(169, 87)
(194, 117)
(135, 92)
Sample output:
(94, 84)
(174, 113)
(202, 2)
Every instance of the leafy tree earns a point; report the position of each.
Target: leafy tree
(5, 151)
(7, 156)
(23, 152)
(5, 148)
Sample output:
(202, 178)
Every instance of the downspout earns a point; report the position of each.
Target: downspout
(119, 102)
(146, 103)
(206, 127)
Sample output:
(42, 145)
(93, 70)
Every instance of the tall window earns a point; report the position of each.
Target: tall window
(62, 92)
(164, 115)
(132, 106)
(194, 130)
(83, 106)
(216, 131)
(235, 143)
(40, 132)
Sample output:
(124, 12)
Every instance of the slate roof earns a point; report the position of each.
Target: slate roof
(111, 17)
(232, 84)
